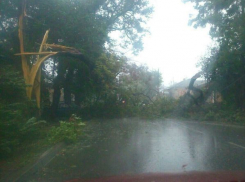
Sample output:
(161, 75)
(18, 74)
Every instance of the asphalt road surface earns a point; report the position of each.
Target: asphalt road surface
(133, 146)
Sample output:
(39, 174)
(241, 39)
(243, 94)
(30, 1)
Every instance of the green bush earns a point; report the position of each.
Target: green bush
(168, 105)
(32, 128)
(15, 110)
(12, 85)
(160, 107)
(14, 127)
(14, 134)
(210, 116)
(67, 132)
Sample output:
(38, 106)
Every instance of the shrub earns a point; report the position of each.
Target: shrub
(210, 116)
(14, 134)
(161, 106)
(14, 129)
(32, 128)
(66, 131)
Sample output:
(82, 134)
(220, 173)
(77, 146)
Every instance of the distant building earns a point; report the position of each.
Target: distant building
(180, 89)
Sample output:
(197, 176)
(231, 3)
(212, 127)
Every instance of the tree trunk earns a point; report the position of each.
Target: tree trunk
(67, 86)
(78, 99)
(57, 87)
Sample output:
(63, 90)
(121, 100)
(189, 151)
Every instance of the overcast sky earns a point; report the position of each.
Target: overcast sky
(173, 46)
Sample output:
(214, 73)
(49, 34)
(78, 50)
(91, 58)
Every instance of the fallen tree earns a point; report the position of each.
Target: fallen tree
(196, 98)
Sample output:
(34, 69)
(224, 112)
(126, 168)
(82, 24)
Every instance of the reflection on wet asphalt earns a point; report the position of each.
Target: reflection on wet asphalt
(133, 146)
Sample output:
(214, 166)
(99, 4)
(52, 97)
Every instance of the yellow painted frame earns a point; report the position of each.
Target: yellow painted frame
(32, 73)
(33, 76)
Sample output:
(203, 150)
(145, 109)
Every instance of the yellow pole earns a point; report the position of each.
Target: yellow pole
(37, 89)
(25, 66)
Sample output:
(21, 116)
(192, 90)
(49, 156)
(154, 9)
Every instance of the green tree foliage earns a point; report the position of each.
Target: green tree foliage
(85, 25)
(124, 89)
(97, 84)
(11, 84)
(140, 83)
(224, 66)
(15, 110)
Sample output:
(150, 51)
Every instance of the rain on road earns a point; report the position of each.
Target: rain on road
(134, 146)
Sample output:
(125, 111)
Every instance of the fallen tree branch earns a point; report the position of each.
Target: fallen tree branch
(192, 88)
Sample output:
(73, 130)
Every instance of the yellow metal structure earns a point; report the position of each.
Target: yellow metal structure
(23, 58)
(32, 73)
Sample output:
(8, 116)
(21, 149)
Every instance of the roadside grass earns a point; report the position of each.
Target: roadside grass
(24, 155)
(217, 113)
(29, 150)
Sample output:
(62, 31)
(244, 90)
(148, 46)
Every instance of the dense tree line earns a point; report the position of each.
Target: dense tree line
(224, 65)
(84, 25)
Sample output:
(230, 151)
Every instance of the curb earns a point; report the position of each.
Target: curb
(214, 123)
(43, 160)
(219, 124)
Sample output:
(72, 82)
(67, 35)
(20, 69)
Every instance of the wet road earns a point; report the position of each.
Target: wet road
(132, 146)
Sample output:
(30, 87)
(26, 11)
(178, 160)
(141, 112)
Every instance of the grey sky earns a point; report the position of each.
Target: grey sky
(173, 46)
